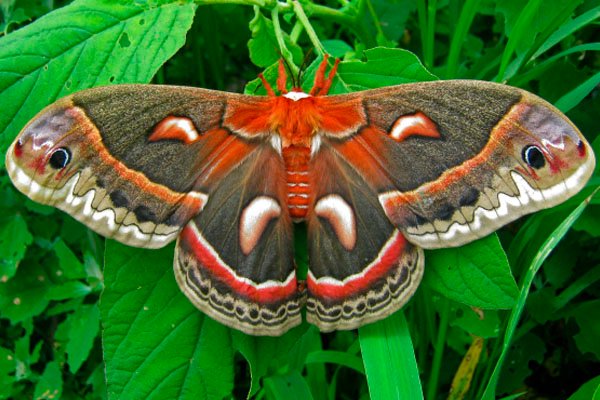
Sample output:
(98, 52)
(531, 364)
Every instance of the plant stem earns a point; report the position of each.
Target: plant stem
(436, 364)
(308, 27)
(375, 19)
(285, 53)
(296, 32)
(422, 14)
(431, 12)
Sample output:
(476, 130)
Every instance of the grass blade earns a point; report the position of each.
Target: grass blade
(389, 359)
(568, 28)
(574, 97)
(520, 30)
(544, 251)
(536, 71)
(462, 28)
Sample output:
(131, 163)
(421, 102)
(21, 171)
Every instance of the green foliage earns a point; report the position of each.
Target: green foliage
(142, 338)
(156, 344)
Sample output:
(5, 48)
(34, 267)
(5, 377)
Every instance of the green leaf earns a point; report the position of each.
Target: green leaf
(529, 348)
(336, 357)
(477, 274)
(568, 28)
(383, 67)
(156, 344)
(87, 43)
(50, 384)
(587, 390)
(525, 24)
(263, 47)
(7, 372)
(290, 386)
(575, 96)
(84, 327)
(70, 266)
(68, 290)
(266, 354)
(485, 324)
(14, 239)
(24, 296)
(589, 327)
(389, 359)
(336, 48)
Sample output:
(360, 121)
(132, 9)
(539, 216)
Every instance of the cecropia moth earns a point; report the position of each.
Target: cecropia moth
(376, 176)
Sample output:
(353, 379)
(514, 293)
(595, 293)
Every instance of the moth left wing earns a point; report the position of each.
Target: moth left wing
(235, 259)
(361, 267)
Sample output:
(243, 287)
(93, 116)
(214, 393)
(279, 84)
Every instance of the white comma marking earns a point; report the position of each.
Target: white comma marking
(204, 244)
(186, 126)
(341, 217)
(403, 123)
(254, 220)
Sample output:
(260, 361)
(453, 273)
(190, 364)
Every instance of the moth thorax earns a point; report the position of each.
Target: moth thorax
(296, 159)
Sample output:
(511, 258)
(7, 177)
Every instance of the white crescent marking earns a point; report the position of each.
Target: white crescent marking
(254, 220)
(341, 217)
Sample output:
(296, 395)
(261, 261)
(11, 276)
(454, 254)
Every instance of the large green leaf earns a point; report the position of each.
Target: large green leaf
(477, 274)
(88, 43)
(156, 344)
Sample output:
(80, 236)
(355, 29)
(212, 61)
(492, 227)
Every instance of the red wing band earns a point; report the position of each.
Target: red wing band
(386, 284)
(266, 308)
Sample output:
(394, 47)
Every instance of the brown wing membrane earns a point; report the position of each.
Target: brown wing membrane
(452, 161)
(361, 268)
(235, 259)
(126, 160)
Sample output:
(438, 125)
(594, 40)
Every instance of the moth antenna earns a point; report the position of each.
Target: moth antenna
(303, 66)
(327, 85)
(282, 78)
(267, 86)
(319, 77)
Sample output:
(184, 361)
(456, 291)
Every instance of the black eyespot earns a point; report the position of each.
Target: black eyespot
(60, 158)
(533, 156)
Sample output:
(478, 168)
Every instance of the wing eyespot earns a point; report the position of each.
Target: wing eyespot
(533, 156)
(60, 158)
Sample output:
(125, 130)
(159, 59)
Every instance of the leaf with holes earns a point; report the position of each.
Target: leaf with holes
(88, 43)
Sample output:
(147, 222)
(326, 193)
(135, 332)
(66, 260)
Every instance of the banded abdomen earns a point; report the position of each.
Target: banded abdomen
(296, 159)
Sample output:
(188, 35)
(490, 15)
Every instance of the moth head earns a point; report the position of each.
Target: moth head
(45, 154)
(549, 152)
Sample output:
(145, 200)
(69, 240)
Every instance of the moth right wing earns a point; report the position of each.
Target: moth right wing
(361, 268)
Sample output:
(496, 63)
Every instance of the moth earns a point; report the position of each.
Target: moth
(377, 176)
